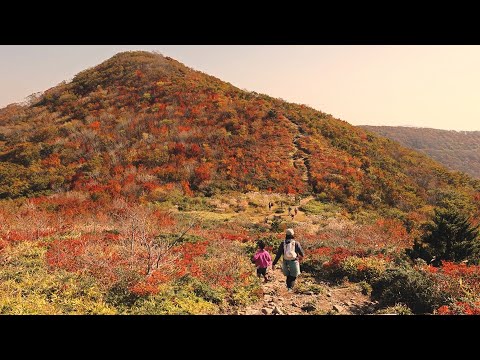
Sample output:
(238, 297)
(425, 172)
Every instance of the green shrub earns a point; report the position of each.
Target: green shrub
(398, 309)
(315, 266)
(365, 288)
(27, 286)
(193, 204)
(303, 288)
(316, 207)
(351, 268)
(449, 236)
(173, 301)
(256, 228)
(414, 288)
(119, 295)
(242, 296)
(209, 294)
(205, 291)
(363, 269)
(313, 207)
(276, 225)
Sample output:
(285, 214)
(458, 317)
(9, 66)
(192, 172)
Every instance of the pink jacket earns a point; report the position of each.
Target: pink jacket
(262, 259)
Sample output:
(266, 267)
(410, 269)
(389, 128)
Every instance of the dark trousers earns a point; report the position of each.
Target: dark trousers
(262, 272)
(291, 281)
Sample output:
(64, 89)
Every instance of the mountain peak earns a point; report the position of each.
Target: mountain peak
(141, 187)
(145, 125)
(125, 68)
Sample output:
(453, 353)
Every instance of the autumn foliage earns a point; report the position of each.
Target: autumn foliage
(140, 122)
(112, 187)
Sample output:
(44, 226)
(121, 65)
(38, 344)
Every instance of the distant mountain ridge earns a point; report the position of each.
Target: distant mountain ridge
(457, 150)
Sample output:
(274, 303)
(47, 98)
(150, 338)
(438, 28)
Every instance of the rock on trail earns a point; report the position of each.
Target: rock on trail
(322, 299)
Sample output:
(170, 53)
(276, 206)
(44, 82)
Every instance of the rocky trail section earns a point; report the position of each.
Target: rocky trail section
(299, 156)
(309, 298)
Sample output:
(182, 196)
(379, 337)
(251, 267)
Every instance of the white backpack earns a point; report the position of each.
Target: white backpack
(289, 250)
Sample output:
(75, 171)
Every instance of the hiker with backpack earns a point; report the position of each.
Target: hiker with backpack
(292, 252)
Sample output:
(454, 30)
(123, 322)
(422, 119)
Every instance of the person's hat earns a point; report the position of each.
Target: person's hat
(290, 232)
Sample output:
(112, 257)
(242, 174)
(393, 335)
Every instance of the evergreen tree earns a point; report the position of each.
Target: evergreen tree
(449, 236)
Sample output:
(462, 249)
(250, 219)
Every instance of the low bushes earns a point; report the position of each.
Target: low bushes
(407, 285)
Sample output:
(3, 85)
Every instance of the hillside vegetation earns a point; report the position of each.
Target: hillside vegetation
(140, 124)
(141, 187)
(456, 150)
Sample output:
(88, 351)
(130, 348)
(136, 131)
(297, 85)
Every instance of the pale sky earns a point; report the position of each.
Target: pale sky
(423, 86)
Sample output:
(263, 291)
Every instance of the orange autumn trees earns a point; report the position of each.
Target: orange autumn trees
(168, 124)
(102, 179)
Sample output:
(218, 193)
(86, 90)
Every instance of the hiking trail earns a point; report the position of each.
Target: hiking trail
(308, 297)
(299, 156)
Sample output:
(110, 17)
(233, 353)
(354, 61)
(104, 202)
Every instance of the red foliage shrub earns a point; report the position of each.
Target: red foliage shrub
(95, 125)
(186, 188)
(66, 254)
(149, 286)
(460, 308)
(321, 251)
(339, 254)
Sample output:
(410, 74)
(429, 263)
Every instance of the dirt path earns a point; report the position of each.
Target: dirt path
(309, 297)
(299, 157)
(306, 200)
(270, 214)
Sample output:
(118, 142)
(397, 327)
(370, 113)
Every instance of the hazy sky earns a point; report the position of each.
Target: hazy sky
(424, 86)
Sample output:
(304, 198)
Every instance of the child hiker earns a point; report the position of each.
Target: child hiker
(262, 260)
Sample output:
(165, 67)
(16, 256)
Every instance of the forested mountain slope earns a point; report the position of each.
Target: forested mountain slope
(141, 125)
(457, 150)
